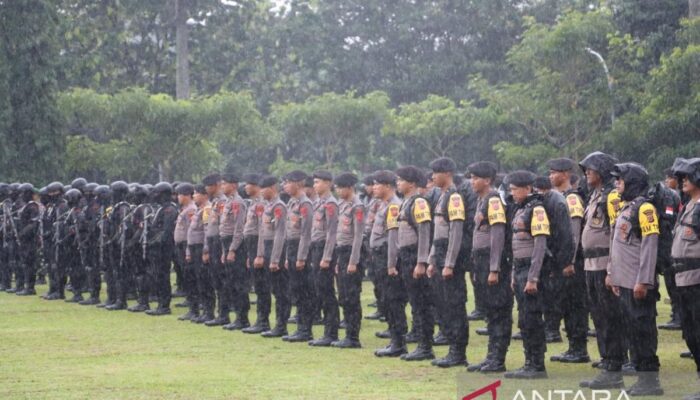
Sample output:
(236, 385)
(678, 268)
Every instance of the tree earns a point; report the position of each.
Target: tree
(31, 141)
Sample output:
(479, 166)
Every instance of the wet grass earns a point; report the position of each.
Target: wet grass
(54, 350)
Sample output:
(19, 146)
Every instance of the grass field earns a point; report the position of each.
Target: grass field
(55, 350)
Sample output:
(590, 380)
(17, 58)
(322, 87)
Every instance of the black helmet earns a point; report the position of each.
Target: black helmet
(79, 183)
(67, 188)
(14, 191)
(44, 195)
(103, 194)
(599, 162)
(163, 189)
(120, 190)
(636, 179)
(139, 193)
(73, 197)
(90, 187)
(26, 191)
(54, 187)
(687, 168)
(4, 191)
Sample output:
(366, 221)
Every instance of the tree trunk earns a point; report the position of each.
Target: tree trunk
(693, 8)
(182, 34)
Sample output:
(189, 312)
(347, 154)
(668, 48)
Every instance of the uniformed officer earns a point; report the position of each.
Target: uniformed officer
(492, 269)
(385, 220)
(188, 208)
(233, 255)
(572, 299)
(57, 266)
(297, 244)
(251, 232)
(604, 307)
(685, 253)
(270, 255)
(445, 271)
(632, 277)
(350, 267)
(323, 257)
(134, 243)
(372, 204)
(203, 297)
(104, 256)
(211, 255)
(530, 230)
(28, 230)
(161, 246)
(74, 243)
(111, 252)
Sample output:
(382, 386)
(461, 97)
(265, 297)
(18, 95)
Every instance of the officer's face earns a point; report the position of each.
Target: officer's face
(480, 184)
(183, 199)
(593, 178)
(345, 193)
(229, 188)
(380, 191)
(213, 190)
(199, 198)
(620, 186)
(251, 190)
(268, 193)
(519, 193)
(321, 186)
(441, 178)
(558, 178)
(689, 188)
(672, 183)
(291, 188)
(403, 186)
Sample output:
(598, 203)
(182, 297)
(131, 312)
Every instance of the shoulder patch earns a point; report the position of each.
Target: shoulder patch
(648, 220)
(359, 214)
(421, 211)
(392, 217)
(205, 214)
(614, 205)
(330, 209)
(575, 205)
(539, 224)
(455, 210)
(278, 212)
(496, 211)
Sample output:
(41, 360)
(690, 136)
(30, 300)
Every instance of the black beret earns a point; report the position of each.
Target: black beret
(252, 179)
(201, 189)
(211, 179)
(542, 183)
(295, 176)
(443, 164)
(410, 173)
(309, 182)
(346, 179)
(520, 178)
(268, 181)
(561, 164)
(368, 179)
(185, 188)
(230, 178)
(323, 175)
(483, 169)
(385, 177)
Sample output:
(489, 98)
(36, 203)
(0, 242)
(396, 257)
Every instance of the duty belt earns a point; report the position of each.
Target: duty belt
(596, 252)
(685, 264)
(519, 263)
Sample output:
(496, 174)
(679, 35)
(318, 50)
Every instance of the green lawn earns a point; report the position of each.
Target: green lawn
(54, 350)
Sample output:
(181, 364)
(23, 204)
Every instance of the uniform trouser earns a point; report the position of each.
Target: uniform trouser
(28, 253)
(379, 276)
(279, 282)
(59, 269)
(349, 290)
(450, 296)
(419, 295)
(76, 270)
(179, 269)
(396, 297)
(5, 280)
(530, 314)
(607, 319)
(552, 296)
(217, 276)
(237, 279)
(113, 270)
(301, 283)
(48, 261)
(640, 318)
(672, 290)
(162, 257)
(189, 276)
(689, 308)
(325, 289)
(479, 296)
(127, 271)
(498, 301)
(574, 309)
(261, 281)
(204, 296)
(93, 272)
